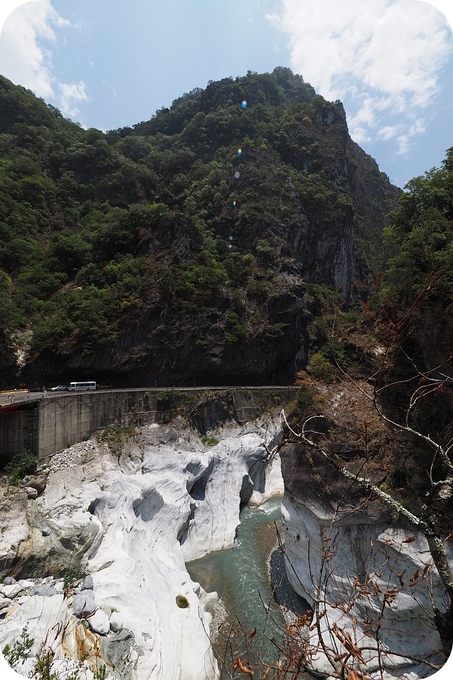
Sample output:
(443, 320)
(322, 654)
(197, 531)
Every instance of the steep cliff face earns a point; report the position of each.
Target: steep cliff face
(176, 252)
(341, 195)
(164, 347)
(8, 363)
(366, 572)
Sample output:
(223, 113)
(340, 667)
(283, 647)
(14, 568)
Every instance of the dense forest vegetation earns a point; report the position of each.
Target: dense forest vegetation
(418, 281)
(197, 231)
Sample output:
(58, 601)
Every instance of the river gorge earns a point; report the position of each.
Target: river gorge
(127, 517)
(134, 551)
(242, 578)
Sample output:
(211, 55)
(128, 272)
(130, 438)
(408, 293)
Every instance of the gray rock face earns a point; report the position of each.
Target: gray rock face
(339, 537)
(83, 604)
(118, 647)
(47, 546)
(45, 591)
(278, 348)
(88, 583)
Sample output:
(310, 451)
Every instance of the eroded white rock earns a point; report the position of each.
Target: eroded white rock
(134, 524)
(350, 563)
(99, 622)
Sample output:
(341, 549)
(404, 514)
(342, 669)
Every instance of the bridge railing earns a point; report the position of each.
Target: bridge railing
(18, 397)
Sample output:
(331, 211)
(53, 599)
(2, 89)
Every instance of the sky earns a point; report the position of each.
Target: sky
(108, 64)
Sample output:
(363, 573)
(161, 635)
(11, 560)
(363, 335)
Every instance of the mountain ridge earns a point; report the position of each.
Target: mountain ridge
(177, 251)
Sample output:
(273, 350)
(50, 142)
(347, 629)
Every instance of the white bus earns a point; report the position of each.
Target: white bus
(82, 385)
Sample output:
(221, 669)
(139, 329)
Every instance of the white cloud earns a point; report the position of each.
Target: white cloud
(403, 140)
(22, 59)
(27, 41)
(7, 7)
(381, 57)
(72, 94)
(389, 132)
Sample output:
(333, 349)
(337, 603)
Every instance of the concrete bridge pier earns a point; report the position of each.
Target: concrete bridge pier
(19, 431)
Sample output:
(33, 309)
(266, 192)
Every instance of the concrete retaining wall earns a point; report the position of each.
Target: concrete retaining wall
(54, 422)
(19, 432)
(71, 418)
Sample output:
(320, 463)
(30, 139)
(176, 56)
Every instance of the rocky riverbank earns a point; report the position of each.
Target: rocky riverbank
(96, 562)
(367, 573)
(94, 550)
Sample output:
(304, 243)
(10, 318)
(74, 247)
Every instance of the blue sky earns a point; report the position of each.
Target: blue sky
(108, 64)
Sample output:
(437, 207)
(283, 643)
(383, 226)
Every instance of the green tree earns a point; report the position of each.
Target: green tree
(418, 286)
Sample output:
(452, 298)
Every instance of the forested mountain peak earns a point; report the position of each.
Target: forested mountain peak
(278, 90)
(177, 251)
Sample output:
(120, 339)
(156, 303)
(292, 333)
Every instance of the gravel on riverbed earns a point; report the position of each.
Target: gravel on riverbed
(291, 604)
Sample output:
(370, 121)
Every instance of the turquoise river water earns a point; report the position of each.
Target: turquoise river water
(241, 578)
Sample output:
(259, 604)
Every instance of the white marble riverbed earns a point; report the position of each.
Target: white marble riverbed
(133, 522)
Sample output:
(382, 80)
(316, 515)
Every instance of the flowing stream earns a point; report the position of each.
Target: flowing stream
(241, 578)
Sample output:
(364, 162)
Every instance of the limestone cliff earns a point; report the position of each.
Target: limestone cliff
(95, 562)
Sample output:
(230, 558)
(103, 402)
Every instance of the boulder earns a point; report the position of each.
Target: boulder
(83, 604)
(31, 492)
(45, 591)
(12, 590)
(99, 622)
(9, 580)
(88, 583)
(37, 482)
